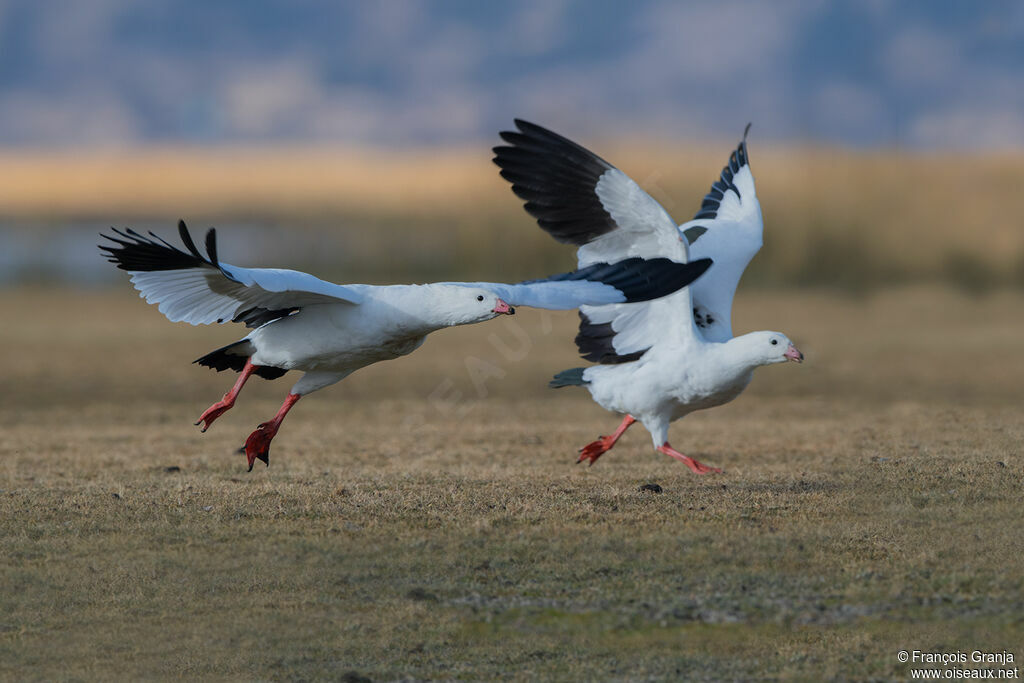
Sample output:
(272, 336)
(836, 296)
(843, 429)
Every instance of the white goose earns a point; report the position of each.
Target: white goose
(661, 360)
(329, 331)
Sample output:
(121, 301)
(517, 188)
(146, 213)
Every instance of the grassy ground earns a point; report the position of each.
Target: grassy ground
(425, 519)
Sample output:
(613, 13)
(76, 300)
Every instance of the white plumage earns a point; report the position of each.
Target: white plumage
(662, 359)
(329, 331)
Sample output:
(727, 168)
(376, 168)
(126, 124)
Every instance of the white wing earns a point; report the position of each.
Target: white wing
(728, 228)
(201, 290)
(630, 280)
(579, 198)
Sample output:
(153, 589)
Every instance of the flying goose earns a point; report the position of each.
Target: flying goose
(328, 331)
(660, 360)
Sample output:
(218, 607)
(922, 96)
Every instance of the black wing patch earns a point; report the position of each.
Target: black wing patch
(594, 342)
(713, 199)
(637, 278)
(640, 280)
(256, 317)
(557, 178)
(138, 253)
(692, 234)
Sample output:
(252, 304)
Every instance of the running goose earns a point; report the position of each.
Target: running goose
(329, 331)
(661, 360)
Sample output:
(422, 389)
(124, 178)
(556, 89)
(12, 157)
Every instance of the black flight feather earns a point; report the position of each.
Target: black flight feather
(211, 246)
(641, 280)
(594, 342)
(713, 199)
(557, 179)
(136, 253)
(638, 279)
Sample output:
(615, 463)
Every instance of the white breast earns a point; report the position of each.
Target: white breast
(668, 386)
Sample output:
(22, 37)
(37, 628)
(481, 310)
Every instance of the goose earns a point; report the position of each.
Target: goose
(328, 331)
(664, 359)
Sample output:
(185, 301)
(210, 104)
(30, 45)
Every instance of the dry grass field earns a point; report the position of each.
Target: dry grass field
(424, 519)
(836, 217)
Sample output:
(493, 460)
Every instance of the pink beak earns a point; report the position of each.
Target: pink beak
(502, 307)
(794, 354)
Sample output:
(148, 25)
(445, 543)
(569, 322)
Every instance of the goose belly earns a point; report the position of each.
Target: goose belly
(650, 390)
(330, 338)
(703, 396)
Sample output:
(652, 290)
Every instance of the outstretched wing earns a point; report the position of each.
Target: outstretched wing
(202, 290)
(630, 280)
(728, 228)
(579, 198)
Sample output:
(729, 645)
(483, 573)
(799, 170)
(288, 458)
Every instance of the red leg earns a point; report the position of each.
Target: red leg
(594, 450)
(257, 446)
(698, 467)
(222, 406)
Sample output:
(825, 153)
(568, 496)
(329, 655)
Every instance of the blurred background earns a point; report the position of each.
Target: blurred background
(354, 138)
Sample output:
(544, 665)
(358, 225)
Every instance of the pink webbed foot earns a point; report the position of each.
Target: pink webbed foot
(225, 404)
(257, 446)
(695, 465)
(213, 412)
(700, 468)
(595, 449)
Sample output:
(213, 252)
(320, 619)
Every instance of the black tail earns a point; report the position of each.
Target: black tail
(568, 378)
(233, 357)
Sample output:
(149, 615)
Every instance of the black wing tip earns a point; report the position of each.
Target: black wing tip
(525, 126)
(553, 174)
(699, 267)
(186, 238)
(666, 277)
(211, 246)
(741, 152)
(525, 129)
(500, 157)
(640, 279)
(738, 158)
(134, 252)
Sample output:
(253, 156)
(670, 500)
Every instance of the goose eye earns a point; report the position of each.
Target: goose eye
(480, 297)
(774, 342)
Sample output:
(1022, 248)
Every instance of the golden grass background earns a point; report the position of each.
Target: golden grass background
(836, 217)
